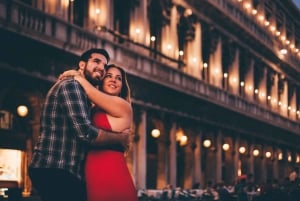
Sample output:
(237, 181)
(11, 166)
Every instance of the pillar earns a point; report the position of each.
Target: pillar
(173, 156)
(219, 138)
(275, 164)
(197, 159)
(249, 82)
(263, 167)
(188, 166)
(139, 26)
(250, 163)
(169, 36)
(236, 158)
(262, 87)
(140, 149)
(215, 63)
(293, 104)
(234, 79)
(194, 52)
(283, 97)
(162, 156)
(274, 93)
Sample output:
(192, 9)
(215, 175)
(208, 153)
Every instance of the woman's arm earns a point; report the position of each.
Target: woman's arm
(113, 105)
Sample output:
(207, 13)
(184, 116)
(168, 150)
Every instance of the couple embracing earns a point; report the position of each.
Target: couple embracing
(85, 128)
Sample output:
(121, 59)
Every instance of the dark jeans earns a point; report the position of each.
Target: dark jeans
(57, 185)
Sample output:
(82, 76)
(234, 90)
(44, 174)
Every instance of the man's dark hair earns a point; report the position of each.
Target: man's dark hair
(87, 54)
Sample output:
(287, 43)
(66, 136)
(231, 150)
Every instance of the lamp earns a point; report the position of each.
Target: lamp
(289, 158)
(22, 110)
(207, 143)
(179, 134)
(242, 150)
(226, 146)
(255, 152)
(280, 156)
(183, 140)
(155, 133)
(268, 154)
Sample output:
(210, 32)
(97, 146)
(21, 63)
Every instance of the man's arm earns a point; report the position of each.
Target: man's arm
(74, 101)
(109, 138)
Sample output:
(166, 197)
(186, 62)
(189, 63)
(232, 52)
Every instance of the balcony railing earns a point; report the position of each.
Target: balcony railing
(258, 32)
(51, 30)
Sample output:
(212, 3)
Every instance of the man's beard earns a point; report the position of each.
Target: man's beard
(92, 80)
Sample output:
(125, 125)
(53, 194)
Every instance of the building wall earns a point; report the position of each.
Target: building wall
(185, 94)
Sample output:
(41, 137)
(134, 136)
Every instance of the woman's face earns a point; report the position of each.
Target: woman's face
(112, 82)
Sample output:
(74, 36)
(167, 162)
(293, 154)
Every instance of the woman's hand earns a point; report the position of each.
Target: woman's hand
(69, 73)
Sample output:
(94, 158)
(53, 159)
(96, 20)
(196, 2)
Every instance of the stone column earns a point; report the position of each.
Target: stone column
(210, 159)
(197, 159)
(194, 52)
(219, 138)
(188, 166)
(169, 34)
(250, 159)
(215, 61)
(236, 157)
(139, 26)
(283, 90)
(173, 155)
(263, 166)
(249, 81)
(274, 92)
(262, 88)
(234, 79)
(140, 149)
(275, 164)
(162, 156)
(293, 104)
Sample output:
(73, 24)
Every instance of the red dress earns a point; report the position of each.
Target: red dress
(106, 171)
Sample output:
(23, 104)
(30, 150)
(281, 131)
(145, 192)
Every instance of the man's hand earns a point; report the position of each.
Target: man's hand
(126, 141)
(69, 73)
(112, 138)
(126, 131)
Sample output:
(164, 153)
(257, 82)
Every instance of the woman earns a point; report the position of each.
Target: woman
(106, 171)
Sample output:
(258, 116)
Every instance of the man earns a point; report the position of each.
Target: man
(67, 132)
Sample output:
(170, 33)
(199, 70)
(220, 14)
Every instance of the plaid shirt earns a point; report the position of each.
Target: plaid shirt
(66, 129)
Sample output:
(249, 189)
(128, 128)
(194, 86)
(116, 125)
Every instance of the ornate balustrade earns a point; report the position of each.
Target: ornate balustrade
(48, 29)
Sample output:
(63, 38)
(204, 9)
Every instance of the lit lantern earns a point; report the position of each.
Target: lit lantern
(155, 133)
(22, 110)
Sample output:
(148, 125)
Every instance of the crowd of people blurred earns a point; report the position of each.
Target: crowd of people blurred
(245, 189)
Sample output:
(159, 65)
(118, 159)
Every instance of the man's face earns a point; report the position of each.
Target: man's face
(94, 69)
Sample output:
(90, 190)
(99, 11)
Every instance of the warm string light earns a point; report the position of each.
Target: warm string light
(265, 22)
(261, 17)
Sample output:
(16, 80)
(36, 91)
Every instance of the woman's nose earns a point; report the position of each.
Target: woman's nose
(113, 79)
